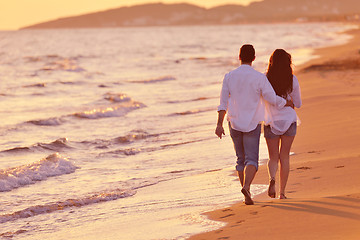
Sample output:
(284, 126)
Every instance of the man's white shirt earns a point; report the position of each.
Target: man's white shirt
(241, 96)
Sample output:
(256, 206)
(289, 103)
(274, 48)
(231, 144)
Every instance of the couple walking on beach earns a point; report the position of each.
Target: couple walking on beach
(250, 98)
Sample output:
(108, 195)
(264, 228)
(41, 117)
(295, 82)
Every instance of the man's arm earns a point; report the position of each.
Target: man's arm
(289, 103)
(270, 96)
(219, 126)
(224, 101)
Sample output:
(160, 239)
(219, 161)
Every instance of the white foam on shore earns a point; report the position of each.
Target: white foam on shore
(52, 165)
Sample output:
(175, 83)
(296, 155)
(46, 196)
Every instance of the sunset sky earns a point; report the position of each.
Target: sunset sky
(19, 13)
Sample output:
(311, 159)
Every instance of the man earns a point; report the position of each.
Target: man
(241, 94)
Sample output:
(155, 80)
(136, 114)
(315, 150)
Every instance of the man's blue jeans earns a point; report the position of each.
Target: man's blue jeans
(246, 146)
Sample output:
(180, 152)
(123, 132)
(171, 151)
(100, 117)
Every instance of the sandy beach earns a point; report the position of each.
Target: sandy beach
(324, 185)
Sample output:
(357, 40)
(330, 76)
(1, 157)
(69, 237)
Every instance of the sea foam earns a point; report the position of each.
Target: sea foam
(52, 165)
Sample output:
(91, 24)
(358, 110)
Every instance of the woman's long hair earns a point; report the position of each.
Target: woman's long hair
(280, 73)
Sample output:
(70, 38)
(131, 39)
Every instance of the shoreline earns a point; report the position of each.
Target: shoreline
(323, 188)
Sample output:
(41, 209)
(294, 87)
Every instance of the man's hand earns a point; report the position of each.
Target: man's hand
(289, 103)
(219, 131)
(219, 128)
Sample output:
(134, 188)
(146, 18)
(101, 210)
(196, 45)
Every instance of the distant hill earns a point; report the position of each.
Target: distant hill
(159, 14)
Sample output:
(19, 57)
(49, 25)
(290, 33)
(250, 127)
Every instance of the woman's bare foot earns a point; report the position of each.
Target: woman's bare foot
(282, 196)
(271, 190)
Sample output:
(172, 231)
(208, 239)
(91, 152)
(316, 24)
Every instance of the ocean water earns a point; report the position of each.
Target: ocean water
(109, 133)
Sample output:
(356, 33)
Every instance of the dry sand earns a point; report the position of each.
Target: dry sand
(324, 185)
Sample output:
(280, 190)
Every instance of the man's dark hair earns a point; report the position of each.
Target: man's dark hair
(247, 53)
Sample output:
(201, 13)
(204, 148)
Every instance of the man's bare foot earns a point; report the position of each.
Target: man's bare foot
(248, 200)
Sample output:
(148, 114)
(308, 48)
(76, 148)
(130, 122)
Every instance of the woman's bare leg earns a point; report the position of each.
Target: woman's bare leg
(274, 155)
(286, 142)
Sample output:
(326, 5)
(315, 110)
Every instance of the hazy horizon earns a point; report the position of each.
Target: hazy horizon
(15, 14)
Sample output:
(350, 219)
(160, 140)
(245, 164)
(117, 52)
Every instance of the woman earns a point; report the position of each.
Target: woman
(280, 124)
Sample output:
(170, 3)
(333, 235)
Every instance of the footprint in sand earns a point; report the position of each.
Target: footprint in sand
(315, 151)
(226, 210)
(228, 215)
(303, 168)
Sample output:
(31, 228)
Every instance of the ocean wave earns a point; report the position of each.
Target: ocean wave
(134, 151)
(180, 143)
(191, 100)
(114, 111)
(52, 165)
(62, 144)
(65, 64)
(16, 150)
(124, 105)
(126, 152)
(67, 82)
(194, 111)
(39, 85)
(58, 206)
(135, 135)
(56, 62)
(117, 97)
(155, 80)
(199, 58)
(42, 58)
(111, 148)
(47, 122)
(216, 61)
(127, 139)
(57, 145)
